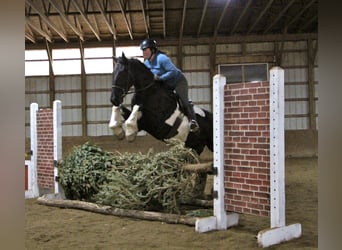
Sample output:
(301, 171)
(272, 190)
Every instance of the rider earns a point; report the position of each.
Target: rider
(164, 70)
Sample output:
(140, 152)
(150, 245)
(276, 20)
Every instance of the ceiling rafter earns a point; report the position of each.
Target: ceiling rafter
(46, 20)
(144, 16)
(183, 20)
(221, 18)
(123, 12)
(164, 20)
(107, 20)
(104, 14)
(288, 5)
(65, 19)
(261, 14)
(38, 30)
(95, 22)
(307, 23)
(113, 23)
(299, 14)
(29, 34)
(241, 16)
(86, 19)
(204, 10)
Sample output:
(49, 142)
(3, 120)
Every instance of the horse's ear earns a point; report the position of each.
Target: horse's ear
(124, 59)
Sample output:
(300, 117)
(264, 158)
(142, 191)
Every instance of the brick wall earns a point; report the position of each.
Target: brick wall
(45, 149)
(246, 142)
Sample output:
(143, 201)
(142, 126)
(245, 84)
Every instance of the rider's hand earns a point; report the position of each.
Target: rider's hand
(156, 78)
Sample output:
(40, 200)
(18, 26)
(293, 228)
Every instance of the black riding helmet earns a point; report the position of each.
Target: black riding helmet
(149, 43)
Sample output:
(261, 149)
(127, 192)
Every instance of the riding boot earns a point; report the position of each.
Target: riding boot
(194, 127)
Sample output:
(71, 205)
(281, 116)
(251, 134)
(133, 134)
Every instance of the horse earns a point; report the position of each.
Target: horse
(154, 108)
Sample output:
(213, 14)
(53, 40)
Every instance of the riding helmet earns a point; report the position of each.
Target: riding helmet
(148, 43)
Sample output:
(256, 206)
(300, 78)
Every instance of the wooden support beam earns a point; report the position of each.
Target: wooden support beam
(52, 88)
(66, 20)
(241, 16)
(311, 87)
(83, 14)
(204, 10)
(123, 12)
(286, 7)
(147, 30)
(38, 30)
(299, 14)
(83, 93)
(46, 20)
(261, 14)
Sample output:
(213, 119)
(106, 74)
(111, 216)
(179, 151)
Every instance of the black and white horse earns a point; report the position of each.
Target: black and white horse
(155, 109)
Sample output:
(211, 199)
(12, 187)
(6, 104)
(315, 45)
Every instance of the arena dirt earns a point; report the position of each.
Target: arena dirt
(55, 228)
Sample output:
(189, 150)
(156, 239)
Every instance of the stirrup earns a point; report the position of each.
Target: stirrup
(194, 126)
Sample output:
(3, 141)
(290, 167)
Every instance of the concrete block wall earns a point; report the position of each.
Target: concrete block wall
(45, 163)
(246, 142)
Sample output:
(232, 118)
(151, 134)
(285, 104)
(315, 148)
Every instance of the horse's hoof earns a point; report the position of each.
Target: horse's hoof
(120, 136)
(131, 137)
(118, 132)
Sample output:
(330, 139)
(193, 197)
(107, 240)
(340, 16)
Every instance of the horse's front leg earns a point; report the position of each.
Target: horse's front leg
(116, 121)
(131, 124)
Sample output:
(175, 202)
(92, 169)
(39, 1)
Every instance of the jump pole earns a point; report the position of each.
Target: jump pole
(278, 232)
(221, 220)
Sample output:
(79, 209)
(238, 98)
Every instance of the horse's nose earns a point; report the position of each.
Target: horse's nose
(115, 100)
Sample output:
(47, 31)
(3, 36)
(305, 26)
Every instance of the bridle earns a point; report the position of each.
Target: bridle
(131, 78)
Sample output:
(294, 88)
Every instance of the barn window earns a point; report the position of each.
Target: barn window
(133, 51)
(98, 60)
(66, 61)
(36, 63)
(236, 73)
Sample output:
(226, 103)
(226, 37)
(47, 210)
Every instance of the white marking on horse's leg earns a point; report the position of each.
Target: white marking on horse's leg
(131, 124)
(199, 111)
(116, 121)
(183, 130)
(171, 120)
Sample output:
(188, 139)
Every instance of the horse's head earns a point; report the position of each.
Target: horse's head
(122, 80)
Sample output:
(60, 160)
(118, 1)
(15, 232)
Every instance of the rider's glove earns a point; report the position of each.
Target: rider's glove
(156, 78)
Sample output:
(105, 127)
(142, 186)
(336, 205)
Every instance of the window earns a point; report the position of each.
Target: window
(236, 73)
(98, 60)
(36, 63)
(66, 61)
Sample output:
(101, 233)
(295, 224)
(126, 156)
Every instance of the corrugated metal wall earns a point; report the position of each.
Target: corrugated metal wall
(196, 66)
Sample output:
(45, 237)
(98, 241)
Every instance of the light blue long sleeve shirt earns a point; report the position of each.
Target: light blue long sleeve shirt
(162, 66)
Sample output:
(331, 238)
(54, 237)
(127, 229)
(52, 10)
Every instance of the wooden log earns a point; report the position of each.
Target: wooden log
(206, 167)
(50, 200)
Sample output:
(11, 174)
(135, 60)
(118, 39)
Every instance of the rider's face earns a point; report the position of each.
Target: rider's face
(147, 53)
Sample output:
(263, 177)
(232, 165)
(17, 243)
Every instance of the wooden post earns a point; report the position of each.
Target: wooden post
(57, 140)
(278, 231)
(221, 220)
(33, 189)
